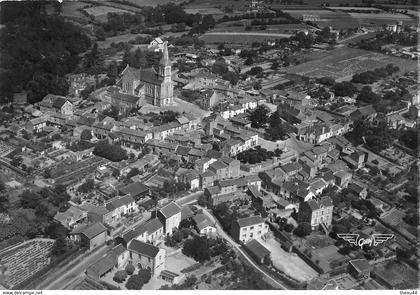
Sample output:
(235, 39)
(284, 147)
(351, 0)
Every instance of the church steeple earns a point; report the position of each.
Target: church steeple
(165, 63)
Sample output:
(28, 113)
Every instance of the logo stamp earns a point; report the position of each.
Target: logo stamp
(374, 240)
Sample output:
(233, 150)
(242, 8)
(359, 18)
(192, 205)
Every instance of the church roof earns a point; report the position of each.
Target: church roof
(150, 76)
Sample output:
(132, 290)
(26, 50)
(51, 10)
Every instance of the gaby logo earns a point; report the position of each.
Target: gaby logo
(373, 240)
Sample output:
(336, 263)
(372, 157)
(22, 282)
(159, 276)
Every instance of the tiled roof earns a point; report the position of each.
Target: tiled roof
(257, 248)
(247, 221)
(143, 249)
(170, 209)
(134, 189)
(94, 230)
(117, 202)
(153, 225)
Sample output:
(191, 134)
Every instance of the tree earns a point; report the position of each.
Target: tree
(197, 248)
(368, 96)
(86, 135)
(344, 89)
(133, 172)
(135, 282)
(130, 269)
(289, 227)
(259, 116)
(120, 276)
(145, 275)
(114, 153)
(303, 229)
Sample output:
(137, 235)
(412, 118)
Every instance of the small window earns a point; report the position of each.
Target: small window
(252, 228)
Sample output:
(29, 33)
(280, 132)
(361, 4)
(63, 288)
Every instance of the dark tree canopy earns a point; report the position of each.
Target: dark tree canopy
(114, 153)
(259, 116)
(37, 50)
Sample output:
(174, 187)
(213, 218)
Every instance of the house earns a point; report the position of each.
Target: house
(71, 217)
(342, 178)
(94, 236)
(147, 256)
(56, 103)
(358, 189)
(151, 232)
(170, 216)
(204, 225)
(366, 113)
(356, 160)
(97, 213)
(156, 44)
(121, 205)
(257, 251)
(316, 212)
(359, 268)
(102, 266)
(136, 190)
(245, 229)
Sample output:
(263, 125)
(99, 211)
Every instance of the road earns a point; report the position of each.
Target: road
(224, 235)
(189, 198)
(64, 276)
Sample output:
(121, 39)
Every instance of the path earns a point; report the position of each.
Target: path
(66, 276)
(224, 235)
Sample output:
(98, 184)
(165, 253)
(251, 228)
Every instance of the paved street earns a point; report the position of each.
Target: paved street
(65, 276)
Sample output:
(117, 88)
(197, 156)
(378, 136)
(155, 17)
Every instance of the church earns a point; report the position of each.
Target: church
(155, 87)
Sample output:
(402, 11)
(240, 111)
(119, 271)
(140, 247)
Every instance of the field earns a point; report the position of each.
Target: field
(399, 275)
(342, 63)
(24, 261)
(153, 2)
(100, 12)
(383, 18)
(337, 20)
(241, 37)
(119, 38)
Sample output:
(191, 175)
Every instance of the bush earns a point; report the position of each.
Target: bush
(289, 227)
(129, 269)
(120, 276)
(303, 229)
(86, 135)
(114, 153)
(136, 282)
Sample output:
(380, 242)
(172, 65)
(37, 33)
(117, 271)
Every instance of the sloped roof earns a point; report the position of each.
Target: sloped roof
(94, 230)
(257, 248)
(251, 220)
(153, 225)
(170, 210)
(134, 189)
(134, 233)
(103, 265)
(202, 221)
(143, 249)
(119, 201)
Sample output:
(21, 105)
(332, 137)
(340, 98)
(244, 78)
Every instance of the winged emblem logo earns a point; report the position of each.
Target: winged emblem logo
(374, 240)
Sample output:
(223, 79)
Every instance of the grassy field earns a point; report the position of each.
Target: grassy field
(241, 37)
(382, 18)
(153, 2)
(118, 39)
(338, 20)
(344, 62)
(100, 12)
